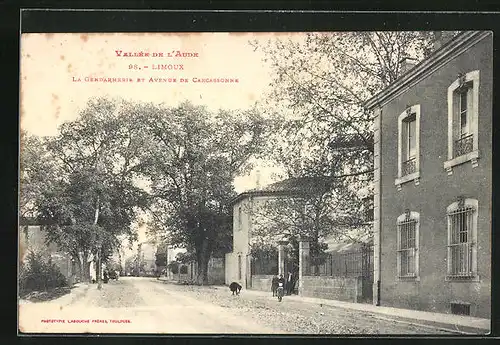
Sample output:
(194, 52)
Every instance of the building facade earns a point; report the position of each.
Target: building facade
(146, 258)
(433, 180)
(253, 216)
(32, 238)
(249, 213)
(238, 262)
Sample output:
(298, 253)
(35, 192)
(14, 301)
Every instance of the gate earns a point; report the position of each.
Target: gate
(367, 273)
(291, 264)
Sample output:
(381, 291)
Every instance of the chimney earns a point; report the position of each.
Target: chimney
(257, 179)
(441, 38)
(406, 64)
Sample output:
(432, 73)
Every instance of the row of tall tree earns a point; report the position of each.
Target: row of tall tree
(119, 159)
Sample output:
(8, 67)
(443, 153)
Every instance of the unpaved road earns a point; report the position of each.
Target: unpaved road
(147, 305)
(133, 305)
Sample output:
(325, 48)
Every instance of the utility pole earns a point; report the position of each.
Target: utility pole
(98, 268)
(99, 280)
(99, 169)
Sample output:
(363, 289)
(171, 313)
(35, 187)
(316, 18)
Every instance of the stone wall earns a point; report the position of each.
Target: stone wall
(262, 282)
(216, 271)
(337, 288)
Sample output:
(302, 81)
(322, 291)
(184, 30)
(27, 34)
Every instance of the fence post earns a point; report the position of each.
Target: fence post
(303, 262)
(281, 257)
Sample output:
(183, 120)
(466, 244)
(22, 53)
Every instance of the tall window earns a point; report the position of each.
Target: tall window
(239, 267)
(464, 113)
(462, 234)
(463, 108)
(407, 260)
(408, 146)
(464, 137)
(240, 221)
(367, 209)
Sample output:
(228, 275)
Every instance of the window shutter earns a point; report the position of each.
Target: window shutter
(470, 109)
(405, 141)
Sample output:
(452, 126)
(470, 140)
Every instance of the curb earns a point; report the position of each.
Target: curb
(80, 290)
(443, 326)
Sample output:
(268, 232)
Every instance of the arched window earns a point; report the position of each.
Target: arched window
(408, 242)
(462, 239)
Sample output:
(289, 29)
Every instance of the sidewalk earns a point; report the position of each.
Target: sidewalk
(455, 323)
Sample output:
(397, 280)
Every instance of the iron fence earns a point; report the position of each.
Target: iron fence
(265, 264)
(357, 263)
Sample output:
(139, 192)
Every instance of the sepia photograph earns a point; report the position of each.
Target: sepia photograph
(277, 183)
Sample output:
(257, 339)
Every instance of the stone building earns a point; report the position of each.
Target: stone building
(249, 216)
(433, 180)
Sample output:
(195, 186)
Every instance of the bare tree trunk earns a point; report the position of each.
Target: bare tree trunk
(202, 258)
(80, 267)
(86, 270)
(202, 276)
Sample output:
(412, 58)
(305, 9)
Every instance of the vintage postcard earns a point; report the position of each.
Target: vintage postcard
(256, 183)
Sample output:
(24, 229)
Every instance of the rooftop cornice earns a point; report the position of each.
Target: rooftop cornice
(257, 193)
(438, 58)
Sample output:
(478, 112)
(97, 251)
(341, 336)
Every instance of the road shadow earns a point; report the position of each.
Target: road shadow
(190, 285)
(48, 295)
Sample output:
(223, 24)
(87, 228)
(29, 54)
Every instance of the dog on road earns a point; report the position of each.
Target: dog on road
(235, 288)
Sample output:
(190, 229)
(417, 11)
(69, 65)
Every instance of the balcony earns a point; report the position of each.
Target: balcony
(409, 167)
(409, 172)
(464, 145)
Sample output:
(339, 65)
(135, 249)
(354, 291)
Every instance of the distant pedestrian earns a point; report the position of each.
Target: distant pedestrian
(289, 283)
(274, 285)
(282, 281)
(294, 282)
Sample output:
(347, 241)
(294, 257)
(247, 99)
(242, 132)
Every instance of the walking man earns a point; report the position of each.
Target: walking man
(274, 285)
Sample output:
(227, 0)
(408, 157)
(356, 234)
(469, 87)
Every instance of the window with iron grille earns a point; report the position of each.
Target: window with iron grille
(460, 308)
(463, 112)
(462, 223)
(407, 260)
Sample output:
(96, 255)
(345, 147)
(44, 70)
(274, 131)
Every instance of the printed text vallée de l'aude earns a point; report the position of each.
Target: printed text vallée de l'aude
(155, 66)
(146, 54)
(173, 53)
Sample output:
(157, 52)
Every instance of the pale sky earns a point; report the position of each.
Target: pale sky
(51, 64)
(54, 68)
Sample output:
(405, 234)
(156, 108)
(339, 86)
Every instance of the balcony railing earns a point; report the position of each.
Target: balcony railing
(464, 145)
(409, 166)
